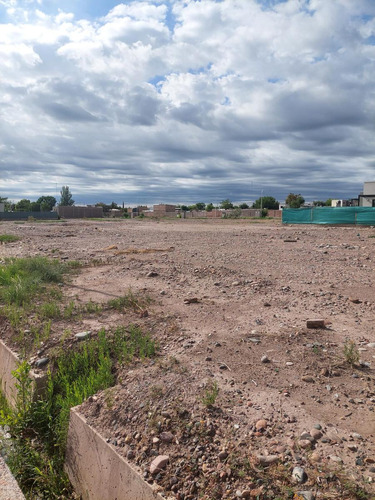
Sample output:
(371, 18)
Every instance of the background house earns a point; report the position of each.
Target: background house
(367, 197)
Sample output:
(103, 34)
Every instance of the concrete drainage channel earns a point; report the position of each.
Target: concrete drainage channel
(95, 469)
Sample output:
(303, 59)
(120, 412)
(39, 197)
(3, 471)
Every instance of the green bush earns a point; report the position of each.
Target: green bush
(8, 238)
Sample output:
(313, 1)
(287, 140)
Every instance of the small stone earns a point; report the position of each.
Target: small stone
(369, 460)
(357, 436)
(304, 444)
(246, 494)
(371, 344)
(308, 379)
(352, 447)
(82, 335)
(316, 434)
(355, 300)
(315, 323)
(152, 274)
(305, 495)
(159, 463)
(299, 475)
(289, 363)
(261, 425)
(265, 359)
(39, 363)
(166, 437)
(193, 300)
(130, 455)
(223, 455)
(338, 460)
(315, 457)
(267, 459)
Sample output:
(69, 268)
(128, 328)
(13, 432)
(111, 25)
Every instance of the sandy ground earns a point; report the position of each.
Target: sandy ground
(231, 301)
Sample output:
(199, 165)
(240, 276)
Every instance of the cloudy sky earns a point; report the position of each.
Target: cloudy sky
(150, 101)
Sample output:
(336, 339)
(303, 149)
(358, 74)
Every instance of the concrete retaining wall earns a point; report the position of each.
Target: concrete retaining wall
(8, 362)
(95, 469)
(9, 489)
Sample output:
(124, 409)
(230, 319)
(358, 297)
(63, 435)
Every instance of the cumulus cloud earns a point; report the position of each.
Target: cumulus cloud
(149, 101)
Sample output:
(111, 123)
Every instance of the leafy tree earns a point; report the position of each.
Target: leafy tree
(200, 206)
(318, 203)
(35, 206)
(184, 208)
(328, 202)
(7, 204)
(244, 206)
(226, 204)
(66, 199)
(294, 200)
(266, 202)
(46, 203)
(209, 207)
(23, 206)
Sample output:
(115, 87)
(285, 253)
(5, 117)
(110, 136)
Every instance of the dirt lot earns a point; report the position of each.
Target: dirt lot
(230, 305)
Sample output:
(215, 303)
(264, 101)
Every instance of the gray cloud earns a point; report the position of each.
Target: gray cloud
(244, 96)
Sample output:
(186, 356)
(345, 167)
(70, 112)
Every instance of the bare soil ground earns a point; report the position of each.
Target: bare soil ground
(230, 305)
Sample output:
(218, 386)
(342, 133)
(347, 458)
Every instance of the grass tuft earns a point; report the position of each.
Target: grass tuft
(8, 238)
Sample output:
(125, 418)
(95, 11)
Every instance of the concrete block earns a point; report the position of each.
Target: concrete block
(96, 470)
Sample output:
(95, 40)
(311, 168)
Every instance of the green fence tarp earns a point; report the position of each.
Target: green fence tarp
(330, 215)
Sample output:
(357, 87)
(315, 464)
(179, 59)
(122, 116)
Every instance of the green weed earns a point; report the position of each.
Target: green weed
(210, 394)
(69, 310)
(21, 279)
(129, 301)
(49, 310)
(92, 307)
(351, 352)
(8, 238)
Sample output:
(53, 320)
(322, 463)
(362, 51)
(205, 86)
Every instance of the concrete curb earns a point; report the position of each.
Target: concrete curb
(9, 362)
(96, 470)
(9, 489)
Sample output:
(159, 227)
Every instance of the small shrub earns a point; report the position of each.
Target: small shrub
(8, 238)
(49, 310)
(92, 307)
(69, 310)
(211, 393)
(351, 352)
(129, 301)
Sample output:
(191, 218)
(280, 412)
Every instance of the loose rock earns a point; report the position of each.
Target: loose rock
(159, 463)
(299, 475)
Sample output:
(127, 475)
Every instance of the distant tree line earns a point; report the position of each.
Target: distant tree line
(46, 203)
(42, 204)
